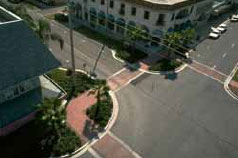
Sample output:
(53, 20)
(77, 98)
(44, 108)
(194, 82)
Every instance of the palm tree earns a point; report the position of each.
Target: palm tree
(101, 91)
(172, 41)
(41, 27)
(188, 36)
(21, 11)
(134, 34)
(52, 114)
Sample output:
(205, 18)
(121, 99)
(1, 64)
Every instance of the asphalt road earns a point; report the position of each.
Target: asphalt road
(86, 52)
(188, 116)
(221, 53)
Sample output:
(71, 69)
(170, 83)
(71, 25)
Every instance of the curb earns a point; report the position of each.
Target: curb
(227, 82)
(177, 70)
(80, 151)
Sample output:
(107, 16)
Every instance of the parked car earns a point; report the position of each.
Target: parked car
(215, 30)
(223, 25)
(221, 29)
(213, 35)
(234, 18)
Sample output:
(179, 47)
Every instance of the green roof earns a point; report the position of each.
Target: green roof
(22, 54)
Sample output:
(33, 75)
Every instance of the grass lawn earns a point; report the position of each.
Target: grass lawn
(83, 82)
(122, 52)
(165, 65)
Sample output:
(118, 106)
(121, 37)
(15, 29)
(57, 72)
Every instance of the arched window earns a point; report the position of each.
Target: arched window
(182, 14)
(93, 17)
(111, 21)
(121, 23)
(102, 18)
(78, 10)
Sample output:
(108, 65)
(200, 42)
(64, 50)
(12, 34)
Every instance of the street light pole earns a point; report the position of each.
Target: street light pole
(71, 43)
(103, 47)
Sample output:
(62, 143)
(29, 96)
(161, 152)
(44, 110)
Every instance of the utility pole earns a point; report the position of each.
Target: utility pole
(70, 8)
(103, 47)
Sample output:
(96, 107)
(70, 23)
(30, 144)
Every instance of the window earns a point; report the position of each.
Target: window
(133, 11)
(160, 20)
(173, 17)
(191, 10)
(102, 2)
(122, 9)
(111, 5)
(147, 15)
(2, 97)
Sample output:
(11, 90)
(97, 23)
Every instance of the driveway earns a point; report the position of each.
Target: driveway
(188, 116)
(220, 54)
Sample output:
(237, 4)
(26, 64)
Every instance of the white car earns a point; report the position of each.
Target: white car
(223, 25)
(213, 35)
(234, 18)
(215, 30)
(221, 29)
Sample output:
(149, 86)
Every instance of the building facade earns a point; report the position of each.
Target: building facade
(23, 60)
(153, 16)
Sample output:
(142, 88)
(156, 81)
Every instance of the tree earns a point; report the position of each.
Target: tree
(188, 36)
(52, 115)
(101, 91)
(21, 11)
(172, 41)
(134, 34)
(41, 27)
(60, 140)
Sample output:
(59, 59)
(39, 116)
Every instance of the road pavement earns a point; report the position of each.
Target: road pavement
(221, 53)
(188, 116)
(86, 52)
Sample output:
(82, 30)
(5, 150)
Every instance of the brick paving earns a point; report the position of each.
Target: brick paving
(200, 68)
(122, 78)
(76, 114)
(108, 147)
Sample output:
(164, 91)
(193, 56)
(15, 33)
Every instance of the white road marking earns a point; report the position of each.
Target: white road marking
(224, 55)
(198, 55)
(205, 74)
(94, 153)
(233, 45)
(125, 145)
(83, 41)
(209, 68)
(226, 84)
(116, 73)
(130, 80)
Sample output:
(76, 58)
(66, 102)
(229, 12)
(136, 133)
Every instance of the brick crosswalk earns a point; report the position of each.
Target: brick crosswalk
(122, 78)
(109, 147)
(208, 71)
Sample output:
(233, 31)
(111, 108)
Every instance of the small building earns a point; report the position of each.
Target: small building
(156, 17)
(23, 60)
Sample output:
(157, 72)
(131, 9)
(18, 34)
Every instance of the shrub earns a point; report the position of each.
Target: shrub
(165, 65)
(61, 17)
(105, 112)
(65, 80)
(67, 143)
(131, 56)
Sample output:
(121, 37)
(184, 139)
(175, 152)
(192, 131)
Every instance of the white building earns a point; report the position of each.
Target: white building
(155, 16)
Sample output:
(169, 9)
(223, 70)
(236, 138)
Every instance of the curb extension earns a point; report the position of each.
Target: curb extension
(227, 82)
(177, 70)
(91, 142)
